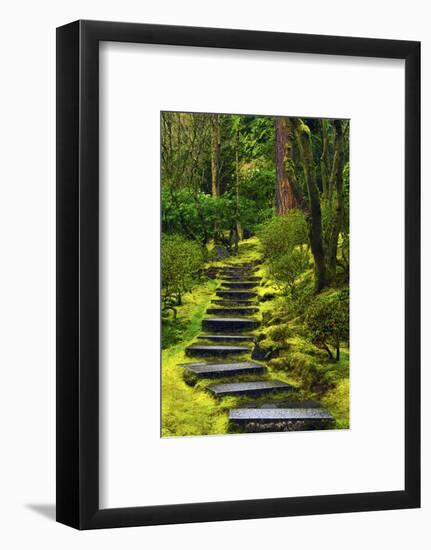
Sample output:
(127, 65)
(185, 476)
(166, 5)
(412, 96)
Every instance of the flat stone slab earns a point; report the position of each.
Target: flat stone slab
(240, 278)
(275, 414)
(243, 272)
(232, 310)
(227, 337)
(238, 268)
(289, 403)
(236, 294)
(206, 363)
(238, 284)
(247, 388)
(227, 324)
(202, 350)
(230, 303)
(226, 369)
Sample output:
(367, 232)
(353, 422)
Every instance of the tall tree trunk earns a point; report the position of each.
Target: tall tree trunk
(285, 194)
(337, 184)
(238, 223)
(314, 217)
(324, 170)
(215, 154)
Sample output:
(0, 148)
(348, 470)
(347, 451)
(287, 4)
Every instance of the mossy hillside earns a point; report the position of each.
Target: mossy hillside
(187, 407)
(185, 412)
(188, 321)
(292, 357)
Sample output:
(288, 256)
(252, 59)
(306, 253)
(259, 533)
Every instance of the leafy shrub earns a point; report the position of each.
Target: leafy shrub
(181, 260)
(282, 233)
(278, 332)
(189, 213)
(327, 321)
(283, 241)
(258, 184)
(201, 217)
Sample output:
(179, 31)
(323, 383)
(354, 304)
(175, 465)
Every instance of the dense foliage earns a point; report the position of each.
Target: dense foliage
(181, 260)
(327, 320)
(285, 245)
(201, 217)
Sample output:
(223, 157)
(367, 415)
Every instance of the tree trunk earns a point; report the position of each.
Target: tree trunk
(324, 170)
(337, 184)
(328, 351)
(238, 223)
(215, 154)
(285, 193)
(314, 216)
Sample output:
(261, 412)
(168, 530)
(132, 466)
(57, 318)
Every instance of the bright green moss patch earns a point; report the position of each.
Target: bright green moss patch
(337, 401)
(188, 322)
(186, 411)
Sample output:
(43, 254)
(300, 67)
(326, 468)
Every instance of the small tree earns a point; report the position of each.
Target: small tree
(287, 268)
(284, 241)
(327, 321)
(181, 260)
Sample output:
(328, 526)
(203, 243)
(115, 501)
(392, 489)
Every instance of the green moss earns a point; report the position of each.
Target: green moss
(189, 409)
(337, 401)
(184, 410)
(303, 128)
(187, 324)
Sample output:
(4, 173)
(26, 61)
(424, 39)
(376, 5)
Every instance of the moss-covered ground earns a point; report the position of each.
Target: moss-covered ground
(188, 409)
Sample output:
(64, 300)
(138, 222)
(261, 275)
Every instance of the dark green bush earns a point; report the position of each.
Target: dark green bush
(181, 259)
(284, 242)
(327, 321)
(201, 217)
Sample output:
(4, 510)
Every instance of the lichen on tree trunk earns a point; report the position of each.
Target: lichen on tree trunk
(337, 184)
(313, 212)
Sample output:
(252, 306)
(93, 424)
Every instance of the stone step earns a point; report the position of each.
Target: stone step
(238, 268)
(238, 284)
(228, 324)
(232, 310)
(258, 387)
(201, 350)
(205, 363)
(226, 369)
(240, 278)
(240, 271)
(247, 265)
(237, 277)
(281, 419)
(266, 414)
(230, 303)
(227, 337)
(236, 294)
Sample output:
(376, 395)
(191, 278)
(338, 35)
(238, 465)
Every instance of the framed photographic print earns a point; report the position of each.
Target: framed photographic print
(238, 281)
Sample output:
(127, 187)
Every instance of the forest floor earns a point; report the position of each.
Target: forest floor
(189, 409)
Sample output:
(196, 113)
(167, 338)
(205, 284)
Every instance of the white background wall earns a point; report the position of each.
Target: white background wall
(27, 359)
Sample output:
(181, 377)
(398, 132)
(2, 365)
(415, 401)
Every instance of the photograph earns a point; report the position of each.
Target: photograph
(254, 273)
(214, 275)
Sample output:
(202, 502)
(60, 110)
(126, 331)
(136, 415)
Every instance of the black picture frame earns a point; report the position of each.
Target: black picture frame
(78, 274)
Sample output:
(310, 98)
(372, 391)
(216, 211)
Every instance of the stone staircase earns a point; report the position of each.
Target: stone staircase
(228, 333)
